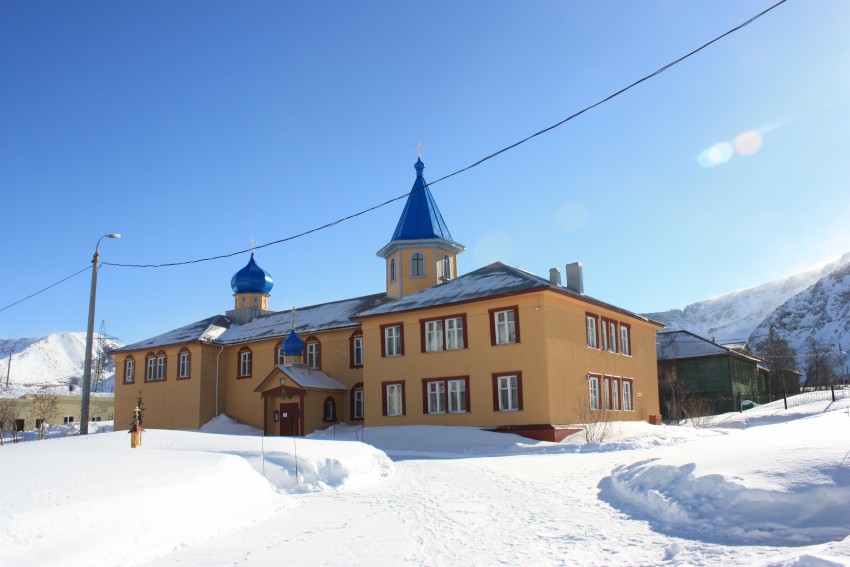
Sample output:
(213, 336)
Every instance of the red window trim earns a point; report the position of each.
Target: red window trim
(335, 418)
(496, 376)
(358, 386)
(239, 363)
(629, 337)
(354, 335)
(384, 339)
(600, 389)
(445, 381)
(179, 354)
(596, 318)
(313, 339)
(133, 381)
(492, 315)
(462, 316)
(384, 398)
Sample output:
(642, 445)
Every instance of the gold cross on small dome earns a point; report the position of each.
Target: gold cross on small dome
(419, 150)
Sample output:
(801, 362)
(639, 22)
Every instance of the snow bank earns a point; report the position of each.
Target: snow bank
(179, 489)
(453, 442)
(783, 484)
(77, 486)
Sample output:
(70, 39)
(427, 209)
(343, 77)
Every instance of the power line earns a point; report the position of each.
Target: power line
(459, 171)
(475, 164)
(45, 289)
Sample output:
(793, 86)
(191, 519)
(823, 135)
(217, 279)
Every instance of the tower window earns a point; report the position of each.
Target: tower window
(447, 267)
(392, 269)
(417, 265)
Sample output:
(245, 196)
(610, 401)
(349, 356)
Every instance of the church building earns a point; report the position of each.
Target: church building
(498, 347)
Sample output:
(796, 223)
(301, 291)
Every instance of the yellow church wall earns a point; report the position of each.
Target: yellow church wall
(404, 284)
(479, 361)
(571, 360)
(244, 404)
(172, 403)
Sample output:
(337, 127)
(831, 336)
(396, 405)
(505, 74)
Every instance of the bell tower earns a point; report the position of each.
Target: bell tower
(421, 253)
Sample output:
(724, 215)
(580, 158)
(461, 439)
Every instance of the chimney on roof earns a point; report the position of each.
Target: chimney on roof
(575, 279)
(554, 276)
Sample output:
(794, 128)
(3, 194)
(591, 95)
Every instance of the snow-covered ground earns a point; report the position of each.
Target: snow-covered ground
(765, 489)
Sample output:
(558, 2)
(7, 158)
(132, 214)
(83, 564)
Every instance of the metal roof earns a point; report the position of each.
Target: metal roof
(674, 345)
(421, 218)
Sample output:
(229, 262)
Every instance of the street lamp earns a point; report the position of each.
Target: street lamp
(84, 410)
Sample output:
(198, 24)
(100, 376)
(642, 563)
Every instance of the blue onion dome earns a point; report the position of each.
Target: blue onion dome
(293, 345)
(252, 279)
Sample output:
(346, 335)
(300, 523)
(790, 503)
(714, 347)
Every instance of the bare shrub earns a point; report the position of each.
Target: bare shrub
(45, 408)
(598, 424)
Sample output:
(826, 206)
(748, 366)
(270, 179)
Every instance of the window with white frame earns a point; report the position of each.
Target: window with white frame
(612, 333)
(625, 342)
(436, 397)
(394, 399)
(357, 401)
(150, 370)
(508, 392)
(457, 396)
(606, 392)
(392, 269)
(504, 323)
(68, 419)
(357, 351)
(280, 354)
(160, 366)
(392, 340)
(313, 354)
(592, 341)
(447, 395)
(442, 334)
(129, 371)
(615, 394)
(603, 332)
(447, 267)
(593, 389)
(330, 410)
(628, 401)
(183, 364)
(433, 336)
(417, 265)
(454, 333)
(244, 363)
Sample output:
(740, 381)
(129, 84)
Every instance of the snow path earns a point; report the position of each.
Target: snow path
(463, 511)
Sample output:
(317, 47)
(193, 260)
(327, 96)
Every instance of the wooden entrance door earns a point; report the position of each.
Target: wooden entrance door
(290, 419)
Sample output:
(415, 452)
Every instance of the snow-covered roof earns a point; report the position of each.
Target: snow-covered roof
(490, 281)
(310, 378)
(673, 345)
(208, 329)
(322, 317)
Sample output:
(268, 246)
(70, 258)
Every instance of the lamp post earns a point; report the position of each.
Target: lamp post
(84, 410)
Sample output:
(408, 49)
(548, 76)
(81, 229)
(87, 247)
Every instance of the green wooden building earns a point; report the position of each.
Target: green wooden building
(699, 377)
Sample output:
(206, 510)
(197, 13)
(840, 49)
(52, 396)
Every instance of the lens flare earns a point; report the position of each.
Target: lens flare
(747, 143)
(572, 216)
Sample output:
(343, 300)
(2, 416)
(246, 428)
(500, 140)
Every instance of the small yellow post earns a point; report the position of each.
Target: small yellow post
(136, 430)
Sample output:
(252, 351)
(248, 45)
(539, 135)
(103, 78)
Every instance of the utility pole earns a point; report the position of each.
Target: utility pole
(9, 366)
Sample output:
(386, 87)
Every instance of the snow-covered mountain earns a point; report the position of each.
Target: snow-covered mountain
(815, 302)
(55, 362)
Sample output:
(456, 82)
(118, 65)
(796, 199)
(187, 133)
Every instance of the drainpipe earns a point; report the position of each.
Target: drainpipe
(216, 378)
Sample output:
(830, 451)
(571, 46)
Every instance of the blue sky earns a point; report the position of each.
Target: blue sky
(191, 127)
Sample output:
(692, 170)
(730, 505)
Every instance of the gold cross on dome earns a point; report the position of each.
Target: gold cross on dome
(419, 150)
(252, 244)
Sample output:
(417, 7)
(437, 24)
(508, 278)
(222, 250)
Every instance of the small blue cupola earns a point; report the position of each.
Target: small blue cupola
(293, 345)
(422, 252)
(252, 279)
